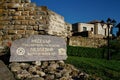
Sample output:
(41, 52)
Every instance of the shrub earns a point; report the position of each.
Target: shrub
(85, 52)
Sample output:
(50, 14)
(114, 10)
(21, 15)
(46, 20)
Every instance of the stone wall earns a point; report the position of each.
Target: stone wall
(87, 42)
(21, 18)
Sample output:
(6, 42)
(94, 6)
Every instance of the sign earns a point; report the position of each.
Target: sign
(38, 48)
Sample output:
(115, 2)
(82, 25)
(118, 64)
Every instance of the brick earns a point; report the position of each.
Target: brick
(4, 22)
(17, 22)
(1, 18)
(20, 31)
(1, 33)
(9, 18)
(10, 27)
(11, 10)
(15, 17)
(29, 27)
(32, 5)
(20, 9)
(21, 17)
(32, 22)
(13, 5)
(25, 13)
(2, 27)
(17, 36)
(36, 28)
(36, 32)
(29, 32)
(29, 17)
(17, 13)
(24, 22)
(7, 37)
(1, 10)
(12, 31)
(32, 13)
(1, 38)
(29, 9)
(27, 1)
(17, 1)
(20, 27)
(12, 22)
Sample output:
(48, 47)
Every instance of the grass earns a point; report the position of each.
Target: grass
(107, 70)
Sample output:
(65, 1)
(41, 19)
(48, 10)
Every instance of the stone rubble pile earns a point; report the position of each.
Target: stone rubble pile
(47, 70)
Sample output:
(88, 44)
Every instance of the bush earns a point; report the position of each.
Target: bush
(86, 52)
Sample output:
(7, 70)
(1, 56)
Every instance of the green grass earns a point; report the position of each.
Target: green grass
(107, 70)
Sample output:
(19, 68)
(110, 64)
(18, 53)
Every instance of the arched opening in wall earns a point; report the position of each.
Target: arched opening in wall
(92, 30)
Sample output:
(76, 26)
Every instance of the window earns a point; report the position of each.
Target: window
(91, 29)
(84, 28)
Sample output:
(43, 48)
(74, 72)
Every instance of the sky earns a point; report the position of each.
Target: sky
(83, 10)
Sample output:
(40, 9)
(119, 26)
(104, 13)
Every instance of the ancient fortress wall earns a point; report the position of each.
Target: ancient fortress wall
(21, 19)
(87, 42)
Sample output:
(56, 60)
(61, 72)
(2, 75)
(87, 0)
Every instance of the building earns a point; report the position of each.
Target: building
(118, 33)
(91, 29)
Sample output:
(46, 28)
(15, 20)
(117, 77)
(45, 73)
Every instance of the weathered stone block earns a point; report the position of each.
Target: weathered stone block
(25, 1)
(17, 13)
(36, 32)
(2, 27)
(1, 38)
(29, 17)
(1, 10)
(18, 36)
(20, 9)
(5, 22)
(29, 27)
(24, 22)
(15, 17)
(17, 22)
(21, 17)
(29, 31)
(29, 9)
(1, 33)
(31, 22)
(17, 1)
(25, 13)
(12, 31)
(20, 31)
(20, 27)
(32, 13)
(9, 37)
(9, 27)
(13, 5)
(36, 28)
(9, 18)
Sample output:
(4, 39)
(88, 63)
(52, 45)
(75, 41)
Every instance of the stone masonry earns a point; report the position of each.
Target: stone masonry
(21, 18)
(87, 42)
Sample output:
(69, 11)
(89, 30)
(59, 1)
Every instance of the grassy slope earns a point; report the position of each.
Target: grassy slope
(107, 70)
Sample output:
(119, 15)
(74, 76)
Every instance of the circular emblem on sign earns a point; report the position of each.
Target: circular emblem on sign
(20, 51)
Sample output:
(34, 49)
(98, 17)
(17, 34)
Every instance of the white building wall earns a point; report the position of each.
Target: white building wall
(104, 29)
(88, 26)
